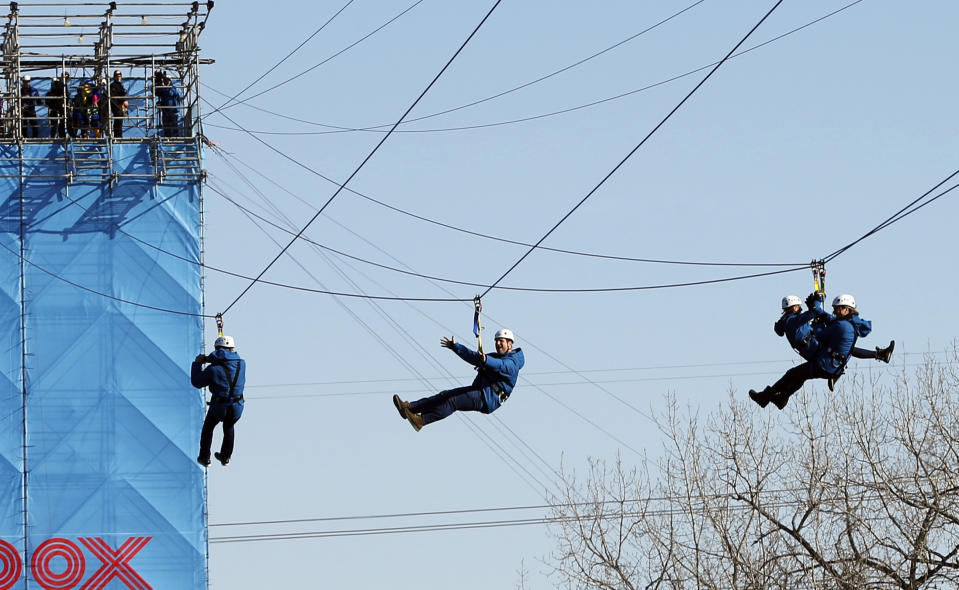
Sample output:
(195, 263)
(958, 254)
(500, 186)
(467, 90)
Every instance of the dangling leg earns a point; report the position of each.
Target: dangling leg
(790, 383)
(431, 409)
(226, 447)
(206, 437)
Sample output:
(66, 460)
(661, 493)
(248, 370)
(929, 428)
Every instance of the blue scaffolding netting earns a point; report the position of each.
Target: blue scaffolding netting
(99, 321)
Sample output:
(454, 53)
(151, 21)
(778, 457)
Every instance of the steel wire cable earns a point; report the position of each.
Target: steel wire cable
(802, 267)
(634, 150)
(902, 213)
(646, 511)
(521, 86)
(899, 215)
(475, 427)
(567, 407)
(279, 63)
(547, 506)
(368, 157)
(491, 442)
(310, 69)
(382, 127)
(101, 293)
(246, 166)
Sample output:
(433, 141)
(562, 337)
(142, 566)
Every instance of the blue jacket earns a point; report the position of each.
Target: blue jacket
(497, 374)
(800, 332)
(218, 375)
(836, 339)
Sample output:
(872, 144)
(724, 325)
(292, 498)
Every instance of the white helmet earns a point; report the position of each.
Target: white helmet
(504, 333)
(845, 299)
(791, 300)
(26, 78)
(224, 342)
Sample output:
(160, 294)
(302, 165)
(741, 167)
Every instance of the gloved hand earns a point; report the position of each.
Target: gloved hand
(812, 299)
(200, 358)
(447, 342)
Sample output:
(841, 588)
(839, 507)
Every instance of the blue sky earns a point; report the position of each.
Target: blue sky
(786, 154)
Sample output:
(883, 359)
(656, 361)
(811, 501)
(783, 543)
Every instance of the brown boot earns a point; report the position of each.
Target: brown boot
(416, 421)
(401, 406)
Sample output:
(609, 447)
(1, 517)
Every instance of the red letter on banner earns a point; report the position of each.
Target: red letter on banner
(10, 565)
(50, 550)
(116, 564)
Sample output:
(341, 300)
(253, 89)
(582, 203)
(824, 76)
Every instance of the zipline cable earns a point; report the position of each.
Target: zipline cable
(310, 69)
(366, 159)
(493, 443)
(634, 150)
(279, 63)
(515, 88)
(247, 212)
(488, 236)
(897, 216)
(100, 293)
(382, 127)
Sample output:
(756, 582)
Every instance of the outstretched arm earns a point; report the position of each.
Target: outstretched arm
(474, 358)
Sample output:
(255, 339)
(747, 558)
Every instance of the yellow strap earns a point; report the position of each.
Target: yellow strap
(478, 323)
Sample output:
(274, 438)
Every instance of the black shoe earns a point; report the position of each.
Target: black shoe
(224, 461)
(401, 406)
(760, 397)
(832, 382)
(885, 354)
(780, 399)
(203, 461)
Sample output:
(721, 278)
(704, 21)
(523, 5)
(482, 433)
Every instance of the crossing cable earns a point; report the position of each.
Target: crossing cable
(643, 511)
(381, 128)
(537, 387)
(488, 98)
(798, 267)
(101, 293)
(310, 69)
(482, 235)
(898, 215)
(650, 499)
(469, 421)
(493, 443)
(279, 63)
(250, 213)
(633, 151)
(367, 158)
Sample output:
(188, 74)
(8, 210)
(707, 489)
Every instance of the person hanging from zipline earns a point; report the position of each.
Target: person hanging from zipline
(496, 375)
(799, 328)
(835, 337)
(226, 378)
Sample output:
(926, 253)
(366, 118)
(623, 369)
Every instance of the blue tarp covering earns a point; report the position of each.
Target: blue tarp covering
(99, 321)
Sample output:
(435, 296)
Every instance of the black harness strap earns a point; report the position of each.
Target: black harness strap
(229, 397)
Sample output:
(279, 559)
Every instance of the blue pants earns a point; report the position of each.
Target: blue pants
(218, 413)
(444, 403)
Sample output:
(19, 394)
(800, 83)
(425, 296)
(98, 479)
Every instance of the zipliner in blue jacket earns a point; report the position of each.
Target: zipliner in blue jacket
(497, 375)
(218, 375)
